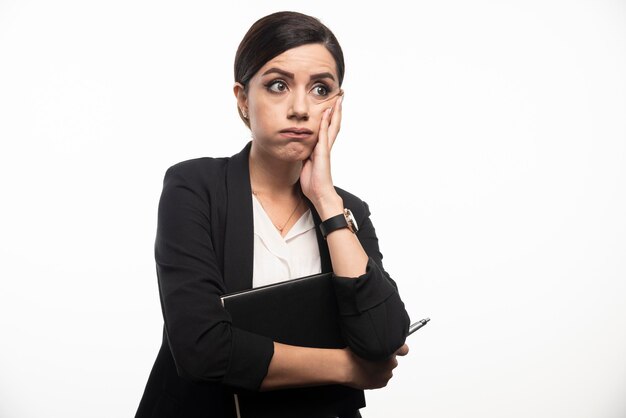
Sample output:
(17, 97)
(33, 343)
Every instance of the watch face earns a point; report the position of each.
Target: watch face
(351, 221)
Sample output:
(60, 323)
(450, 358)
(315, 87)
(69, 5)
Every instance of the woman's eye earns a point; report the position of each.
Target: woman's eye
(320, 90)
(277, 86)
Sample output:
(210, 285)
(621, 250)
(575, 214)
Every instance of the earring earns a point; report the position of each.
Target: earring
(244, 114)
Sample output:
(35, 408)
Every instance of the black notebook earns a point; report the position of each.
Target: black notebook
(297, 312)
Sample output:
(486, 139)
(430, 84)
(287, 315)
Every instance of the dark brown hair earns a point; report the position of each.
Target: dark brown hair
(274, 34)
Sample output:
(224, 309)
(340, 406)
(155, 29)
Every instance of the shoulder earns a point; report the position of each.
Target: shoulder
(208, 171)
(204, 172)
(198, 167)
(197, 183)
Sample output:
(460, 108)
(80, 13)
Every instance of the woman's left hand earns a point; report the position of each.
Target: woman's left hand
(315, 179)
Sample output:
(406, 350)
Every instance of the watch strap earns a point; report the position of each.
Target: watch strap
(332, 224)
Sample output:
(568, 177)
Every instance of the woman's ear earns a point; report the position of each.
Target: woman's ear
(242, 98)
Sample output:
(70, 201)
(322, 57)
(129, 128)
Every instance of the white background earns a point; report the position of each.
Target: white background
(488, 137)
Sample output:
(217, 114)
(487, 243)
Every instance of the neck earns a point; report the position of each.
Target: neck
(271, 176)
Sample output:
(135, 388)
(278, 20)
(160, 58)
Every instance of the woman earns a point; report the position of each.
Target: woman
(269, 213)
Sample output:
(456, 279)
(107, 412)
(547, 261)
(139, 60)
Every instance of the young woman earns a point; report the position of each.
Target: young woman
(267, 214)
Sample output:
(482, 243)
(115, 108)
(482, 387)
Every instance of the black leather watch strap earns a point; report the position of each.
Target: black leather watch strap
(332, 224)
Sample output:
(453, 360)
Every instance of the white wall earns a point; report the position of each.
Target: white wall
(499, 191)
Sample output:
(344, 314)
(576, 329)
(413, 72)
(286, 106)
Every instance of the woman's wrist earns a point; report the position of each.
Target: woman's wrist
(329, 205)
(343, 376)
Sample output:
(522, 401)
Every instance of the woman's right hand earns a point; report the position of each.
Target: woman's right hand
(364, 374)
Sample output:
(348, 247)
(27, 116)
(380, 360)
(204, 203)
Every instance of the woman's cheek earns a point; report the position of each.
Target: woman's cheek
(318, 120)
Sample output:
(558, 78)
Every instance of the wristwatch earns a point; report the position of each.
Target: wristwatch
(343, 220)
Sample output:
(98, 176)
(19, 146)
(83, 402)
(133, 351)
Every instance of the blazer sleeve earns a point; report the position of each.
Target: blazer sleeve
(205, 347)
(373, 319)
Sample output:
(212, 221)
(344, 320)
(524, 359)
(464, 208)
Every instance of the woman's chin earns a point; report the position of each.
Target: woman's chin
(287, 151)
(297, 151)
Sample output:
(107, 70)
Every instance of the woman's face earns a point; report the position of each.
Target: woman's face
(286, 98)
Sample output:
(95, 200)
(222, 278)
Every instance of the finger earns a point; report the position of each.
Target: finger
(335, 123)
(324, 124)
(403, 351)
(394, 363)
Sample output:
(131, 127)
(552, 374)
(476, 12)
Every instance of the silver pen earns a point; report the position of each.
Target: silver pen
(417, 325)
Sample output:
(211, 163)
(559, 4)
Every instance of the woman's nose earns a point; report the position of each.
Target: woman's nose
(299, 106)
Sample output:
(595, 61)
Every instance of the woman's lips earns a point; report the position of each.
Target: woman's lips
(296, 132)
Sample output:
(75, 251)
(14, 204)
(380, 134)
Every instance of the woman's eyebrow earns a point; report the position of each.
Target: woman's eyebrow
(289, 75)
(322, 75)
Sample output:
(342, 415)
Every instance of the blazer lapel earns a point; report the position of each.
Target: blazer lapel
(239, 235)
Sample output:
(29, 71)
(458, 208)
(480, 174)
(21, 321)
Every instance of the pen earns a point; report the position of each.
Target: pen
(417, 325)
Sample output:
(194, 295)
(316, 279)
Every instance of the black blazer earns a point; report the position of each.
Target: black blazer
(204, 249)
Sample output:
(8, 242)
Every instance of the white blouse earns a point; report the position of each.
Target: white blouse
(278, 258)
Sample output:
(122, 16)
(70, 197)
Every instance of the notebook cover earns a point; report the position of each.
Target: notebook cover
(299, 312)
